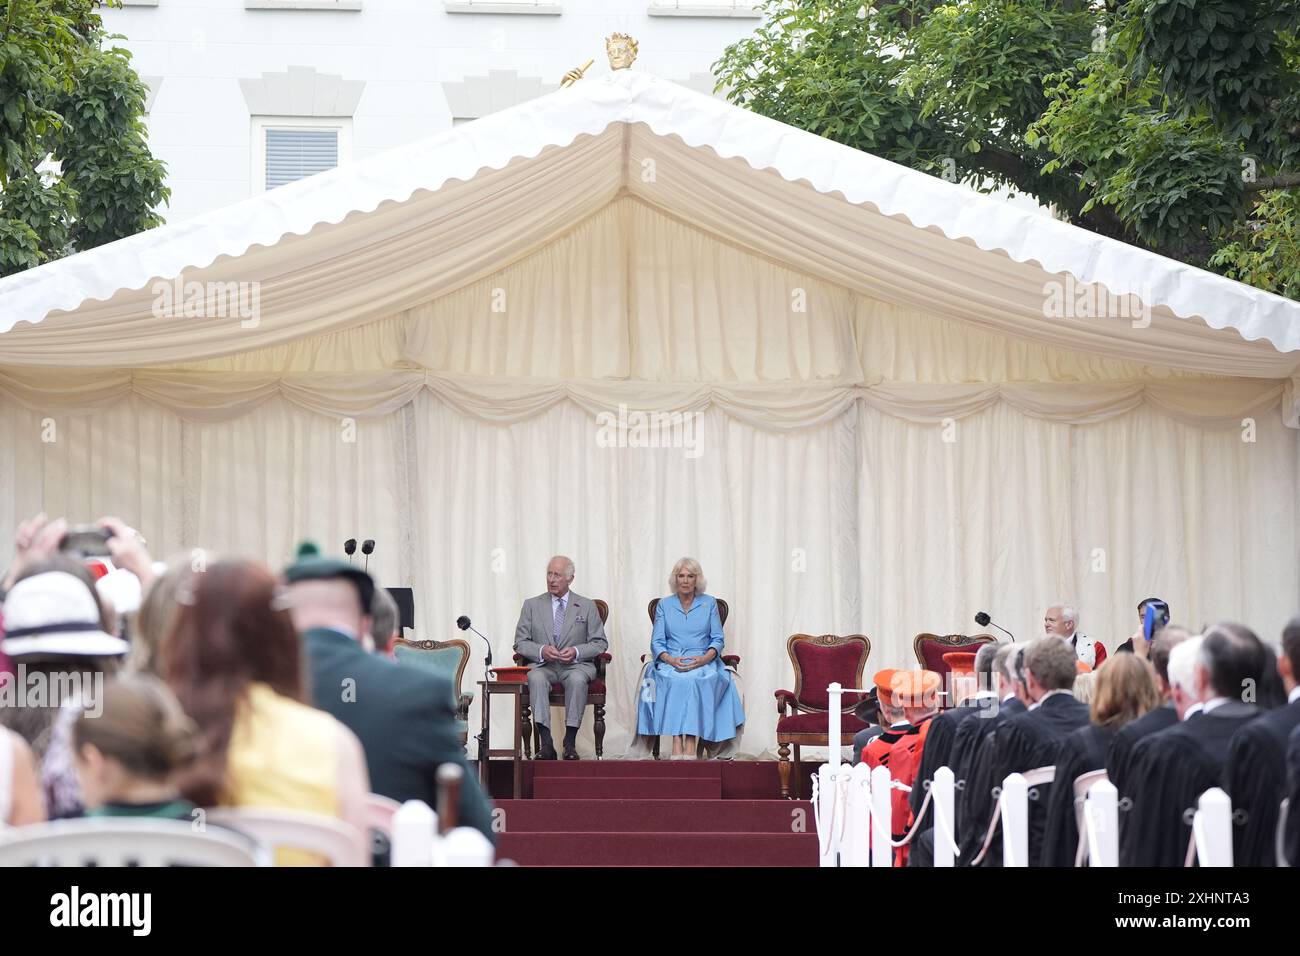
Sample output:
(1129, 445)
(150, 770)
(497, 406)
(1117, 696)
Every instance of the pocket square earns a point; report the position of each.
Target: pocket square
(579, 620)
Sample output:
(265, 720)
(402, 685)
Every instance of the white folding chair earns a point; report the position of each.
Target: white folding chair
(1033, 778)
(379, 813)
(340, 843)
(1280, 839)
(127, 841)
(1211, 841)
(1082, 784)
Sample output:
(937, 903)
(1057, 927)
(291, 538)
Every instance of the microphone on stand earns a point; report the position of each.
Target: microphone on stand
(368, 548)
(983, 620)
(463, 623)
(350, 548)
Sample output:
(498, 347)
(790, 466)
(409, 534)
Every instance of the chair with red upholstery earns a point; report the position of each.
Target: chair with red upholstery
(595, 698)
(728, 660)
(803, 715)
(930, 648)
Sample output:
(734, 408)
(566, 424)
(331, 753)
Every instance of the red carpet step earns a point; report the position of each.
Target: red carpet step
(658, 849)
(652, 813)
(627, 788)
(700, 769)
(657, 816)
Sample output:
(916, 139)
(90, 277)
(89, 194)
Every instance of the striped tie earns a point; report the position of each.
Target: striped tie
(559, 620)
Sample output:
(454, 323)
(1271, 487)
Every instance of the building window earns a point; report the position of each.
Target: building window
(291, 148)
(536, 7)
(745, 9)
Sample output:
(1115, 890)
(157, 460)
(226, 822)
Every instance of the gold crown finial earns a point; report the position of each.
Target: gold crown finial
(621, 50)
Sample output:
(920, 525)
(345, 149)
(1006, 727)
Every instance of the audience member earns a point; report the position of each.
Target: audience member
(235, 663)
(1124, 690)
(405, 717)
(128, 756)
(1173, 767)
(1256, 770)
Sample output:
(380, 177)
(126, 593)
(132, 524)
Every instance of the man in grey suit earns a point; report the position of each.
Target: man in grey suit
(560, 633)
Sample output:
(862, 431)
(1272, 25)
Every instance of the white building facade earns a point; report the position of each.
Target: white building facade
(248, 94)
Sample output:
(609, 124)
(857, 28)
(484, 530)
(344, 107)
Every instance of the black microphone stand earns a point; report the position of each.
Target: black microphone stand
(464, 624)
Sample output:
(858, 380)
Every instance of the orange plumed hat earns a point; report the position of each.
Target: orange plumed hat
(960, 662)
(903, 688)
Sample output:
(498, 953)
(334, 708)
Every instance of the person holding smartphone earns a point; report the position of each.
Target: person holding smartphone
(688, 692)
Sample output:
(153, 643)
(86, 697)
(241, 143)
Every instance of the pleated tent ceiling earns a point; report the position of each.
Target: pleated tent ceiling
(365, 240)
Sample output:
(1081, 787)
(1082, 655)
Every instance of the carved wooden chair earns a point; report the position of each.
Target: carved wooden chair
(803, 715)
(447, 659)
(595, 697)
(930, 648)
(728, 660)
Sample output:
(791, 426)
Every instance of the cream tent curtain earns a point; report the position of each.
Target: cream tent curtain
(858, 463)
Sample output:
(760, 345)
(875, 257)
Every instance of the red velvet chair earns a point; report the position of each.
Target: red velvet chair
(930, 648)
(595, 698)
(728, 660)
(803, 716)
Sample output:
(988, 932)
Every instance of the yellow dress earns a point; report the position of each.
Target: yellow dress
(283, 755)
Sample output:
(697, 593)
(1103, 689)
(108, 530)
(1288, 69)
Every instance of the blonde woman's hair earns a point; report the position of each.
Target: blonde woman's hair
(1084, 686)
(1125, 689)
(688, 564)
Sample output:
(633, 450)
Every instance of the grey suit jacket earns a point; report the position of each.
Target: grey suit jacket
(582, 627)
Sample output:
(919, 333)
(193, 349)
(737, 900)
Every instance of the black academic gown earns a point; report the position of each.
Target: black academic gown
(1291, 839)
(1120, 755)
(1119, 758)
(1169, 772)
(1256, 781)
(1029, 741)
(1082, 751)
(938, 750)
(973, 768)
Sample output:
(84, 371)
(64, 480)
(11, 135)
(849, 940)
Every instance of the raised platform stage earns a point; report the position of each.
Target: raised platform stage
(652, 813)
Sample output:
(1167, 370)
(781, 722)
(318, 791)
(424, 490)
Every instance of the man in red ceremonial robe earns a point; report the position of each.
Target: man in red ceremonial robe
(908, 699)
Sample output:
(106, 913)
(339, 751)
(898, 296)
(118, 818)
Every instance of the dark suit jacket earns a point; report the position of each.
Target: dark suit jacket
(404, 717)
(1170, 770)
(1256, 779)
(1027, 742)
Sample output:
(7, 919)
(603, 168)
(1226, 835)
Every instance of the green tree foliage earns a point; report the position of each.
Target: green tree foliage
(1169, 124)
(69, 102)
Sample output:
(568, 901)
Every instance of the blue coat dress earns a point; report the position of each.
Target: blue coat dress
(702, 702)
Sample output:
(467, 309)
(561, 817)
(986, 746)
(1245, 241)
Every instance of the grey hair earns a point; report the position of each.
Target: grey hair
(1183, 658)
(569, 569)
(383, 617)
(689, 564)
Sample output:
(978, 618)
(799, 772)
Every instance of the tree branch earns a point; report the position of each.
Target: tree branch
(1282, 181)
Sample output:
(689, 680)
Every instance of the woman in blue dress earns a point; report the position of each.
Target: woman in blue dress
(687, 692)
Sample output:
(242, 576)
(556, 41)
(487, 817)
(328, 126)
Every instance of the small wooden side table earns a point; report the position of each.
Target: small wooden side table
(517, 689)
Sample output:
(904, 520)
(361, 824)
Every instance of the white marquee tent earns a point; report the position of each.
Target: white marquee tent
(895, 427)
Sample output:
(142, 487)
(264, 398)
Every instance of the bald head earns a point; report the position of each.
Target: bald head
(327, 602)
(559, 575)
